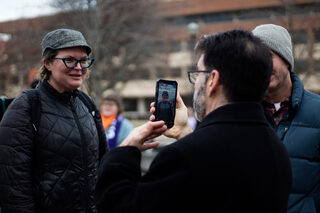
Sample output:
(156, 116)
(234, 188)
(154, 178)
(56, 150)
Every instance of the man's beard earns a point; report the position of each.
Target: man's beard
(199, 101)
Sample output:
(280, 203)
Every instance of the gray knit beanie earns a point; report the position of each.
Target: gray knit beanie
(277, 39)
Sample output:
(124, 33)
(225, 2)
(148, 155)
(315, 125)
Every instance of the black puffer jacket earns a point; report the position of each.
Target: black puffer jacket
(55, 169)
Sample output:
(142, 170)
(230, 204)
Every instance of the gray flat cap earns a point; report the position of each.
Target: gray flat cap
(63, 38)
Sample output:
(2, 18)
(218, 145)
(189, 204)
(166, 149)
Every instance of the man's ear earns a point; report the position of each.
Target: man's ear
(213, 81)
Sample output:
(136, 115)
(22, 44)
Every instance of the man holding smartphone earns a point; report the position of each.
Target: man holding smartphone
(232, 162)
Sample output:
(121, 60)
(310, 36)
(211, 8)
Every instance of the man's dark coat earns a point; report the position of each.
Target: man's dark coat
(233, 162)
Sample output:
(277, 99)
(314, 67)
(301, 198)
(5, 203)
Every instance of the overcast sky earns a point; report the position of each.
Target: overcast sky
(15, 9)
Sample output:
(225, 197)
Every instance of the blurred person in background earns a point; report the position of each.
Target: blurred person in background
(232, 162)
(5, 102)
(116, 126)
(192, 121)
(51, 165)
(294, 114)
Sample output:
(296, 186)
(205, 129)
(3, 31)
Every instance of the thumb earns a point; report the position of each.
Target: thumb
(180, 102)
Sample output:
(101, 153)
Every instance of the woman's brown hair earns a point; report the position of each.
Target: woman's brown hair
(43, 72)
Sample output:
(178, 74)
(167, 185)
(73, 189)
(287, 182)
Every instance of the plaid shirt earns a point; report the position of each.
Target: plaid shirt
(282, 113)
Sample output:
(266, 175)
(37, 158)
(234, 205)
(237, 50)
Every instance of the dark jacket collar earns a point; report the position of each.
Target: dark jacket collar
(65, 96)
(249, 112)
(297, 90)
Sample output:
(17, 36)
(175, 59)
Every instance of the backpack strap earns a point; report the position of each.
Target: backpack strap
(88, 102)
(35, 103)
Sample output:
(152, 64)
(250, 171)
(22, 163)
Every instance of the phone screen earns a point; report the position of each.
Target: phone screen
(166, 93)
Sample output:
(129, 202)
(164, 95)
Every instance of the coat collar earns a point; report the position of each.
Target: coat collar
(249, 112)
(65, 96)
(297, 90)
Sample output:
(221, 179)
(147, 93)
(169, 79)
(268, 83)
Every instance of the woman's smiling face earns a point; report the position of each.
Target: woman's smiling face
(62, 78)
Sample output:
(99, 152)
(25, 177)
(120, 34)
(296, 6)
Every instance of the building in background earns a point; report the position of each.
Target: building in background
(185, 21)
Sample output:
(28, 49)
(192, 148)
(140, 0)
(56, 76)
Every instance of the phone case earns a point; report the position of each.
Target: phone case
(165, 103)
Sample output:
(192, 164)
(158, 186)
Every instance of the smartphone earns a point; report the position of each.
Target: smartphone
(165, 103)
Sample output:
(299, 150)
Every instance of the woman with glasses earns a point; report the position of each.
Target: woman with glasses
(49, 162)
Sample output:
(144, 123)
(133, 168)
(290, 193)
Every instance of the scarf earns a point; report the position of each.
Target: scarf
(112, 126)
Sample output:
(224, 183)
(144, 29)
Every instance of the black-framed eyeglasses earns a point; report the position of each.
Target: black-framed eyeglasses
(193, 75)
(71, 63)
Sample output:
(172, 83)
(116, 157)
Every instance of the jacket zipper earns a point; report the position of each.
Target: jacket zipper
(84, 155)
(284, 133)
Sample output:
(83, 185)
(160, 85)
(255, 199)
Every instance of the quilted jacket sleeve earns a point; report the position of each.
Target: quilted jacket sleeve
(16, 155)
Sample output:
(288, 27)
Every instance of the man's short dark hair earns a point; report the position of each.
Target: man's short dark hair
(243, 62)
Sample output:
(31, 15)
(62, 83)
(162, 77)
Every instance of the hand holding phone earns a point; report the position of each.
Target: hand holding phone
(181, 126)
(165, 103)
